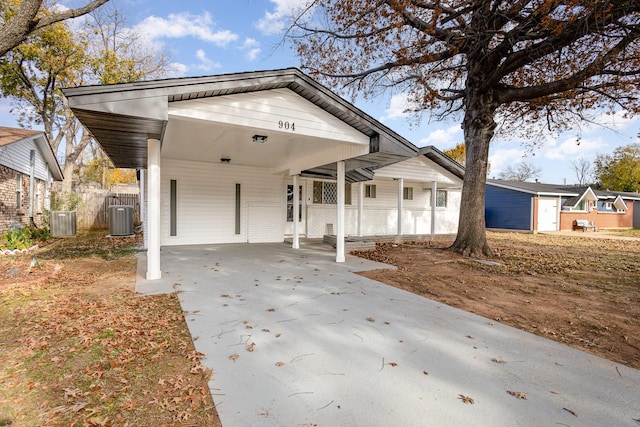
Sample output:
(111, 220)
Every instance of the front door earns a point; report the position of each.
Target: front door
(288, 230)
(547, 214)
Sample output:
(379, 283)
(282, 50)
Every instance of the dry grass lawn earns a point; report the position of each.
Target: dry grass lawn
(81, 348)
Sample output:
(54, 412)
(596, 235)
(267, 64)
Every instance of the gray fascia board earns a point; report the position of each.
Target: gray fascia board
(43, 145)
(536, 193)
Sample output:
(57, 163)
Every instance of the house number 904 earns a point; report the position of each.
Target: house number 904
(286, 125)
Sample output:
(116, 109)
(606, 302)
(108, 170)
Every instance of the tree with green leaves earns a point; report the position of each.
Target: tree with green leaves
(54, 57)
(516, 66)
(619, 171)
(20, 18)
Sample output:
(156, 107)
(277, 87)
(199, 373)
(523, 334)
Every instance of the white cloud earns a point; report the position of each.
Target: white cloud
(252, 46)
(502, 158)
(179, 25)
(443, 137)
(253, 54)
(620, 120)
(399, 107)
(275, 22)
(177, 69)
(206, 64)
(572, 148)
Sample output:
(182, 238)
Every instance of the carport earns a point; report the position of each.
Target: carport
(264, 125)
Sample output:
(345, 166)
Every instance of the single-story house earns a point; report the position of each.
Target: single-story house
(237, 157)
(28, 167)
(533, 206)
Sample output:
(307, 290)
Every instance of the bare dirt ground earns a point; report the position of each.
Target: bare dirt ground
(80, 348)
(575, 289)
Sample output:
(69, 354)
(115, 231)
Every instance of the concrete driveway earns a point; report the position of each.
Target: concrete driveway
(295, 339)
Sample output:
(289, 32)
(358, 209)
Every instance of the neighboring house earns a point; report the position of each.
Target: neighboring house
(28, 167)
(223, 154)
(537, 207)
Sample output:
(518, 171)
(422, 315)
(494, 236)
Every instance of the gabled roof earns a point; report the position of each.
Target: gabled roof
(123, 116)
(438, 157)
(587, 194)
(540, 189)
(15, 135)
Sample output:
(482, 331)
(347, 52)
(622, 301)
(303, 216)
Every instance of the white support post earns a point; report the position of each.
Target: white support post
(153, 211)
(340, 219)
(360, 206)
(296, 213)
(143, 211)
(434, 192)
(400, 204)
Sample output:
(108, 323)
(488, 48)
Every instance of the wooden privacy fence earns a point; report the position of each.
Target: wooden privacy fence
(93, 213)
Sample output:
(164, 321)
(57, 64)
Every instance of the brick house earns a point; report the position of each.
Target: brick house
(534, 206)
(28, 167)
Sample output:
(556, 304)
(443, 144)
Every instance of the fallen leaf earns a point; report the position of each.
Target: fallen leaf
(280, 364)
(371, 319)
(251, 346)
(518, 394)
(393, 364)
(278, 335)
(466, 399)
(234, 357)
(498, 360)
(271, 310)
(571, 412)
(425, 372)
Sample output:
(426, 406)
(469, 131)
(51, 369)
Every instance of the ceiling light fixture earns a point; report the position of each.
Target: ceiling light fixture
(259, 138)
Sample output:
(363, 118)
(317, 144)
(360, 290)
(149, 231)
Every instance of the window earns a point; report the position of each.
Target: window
(18, 191)
(407, 193)
(581, 206)
(290, 203)
(326, 193)
(370, 191)
(441, 198)
(608, 206)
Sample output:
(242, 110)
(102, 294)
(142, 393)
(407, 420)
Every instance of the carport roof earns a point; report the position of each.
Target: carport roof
(122, 117)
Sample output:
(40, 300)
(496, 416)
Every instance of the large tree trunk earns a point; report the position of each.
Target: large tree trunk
(479, 126)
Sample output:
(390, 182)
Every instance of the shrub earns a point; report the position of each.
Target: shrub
(24, 238)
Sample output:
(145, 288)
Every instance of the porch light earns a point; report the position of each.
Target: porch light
(259, 138)
(225, 160)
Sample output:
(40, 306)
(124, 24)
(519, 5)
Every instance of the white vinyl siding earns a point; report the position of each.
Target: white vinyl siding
(206, 210)
(17, 156)
(271, 111)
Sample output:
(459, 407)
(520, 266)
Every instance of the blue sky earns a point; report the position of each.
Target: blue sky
(212, 37)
